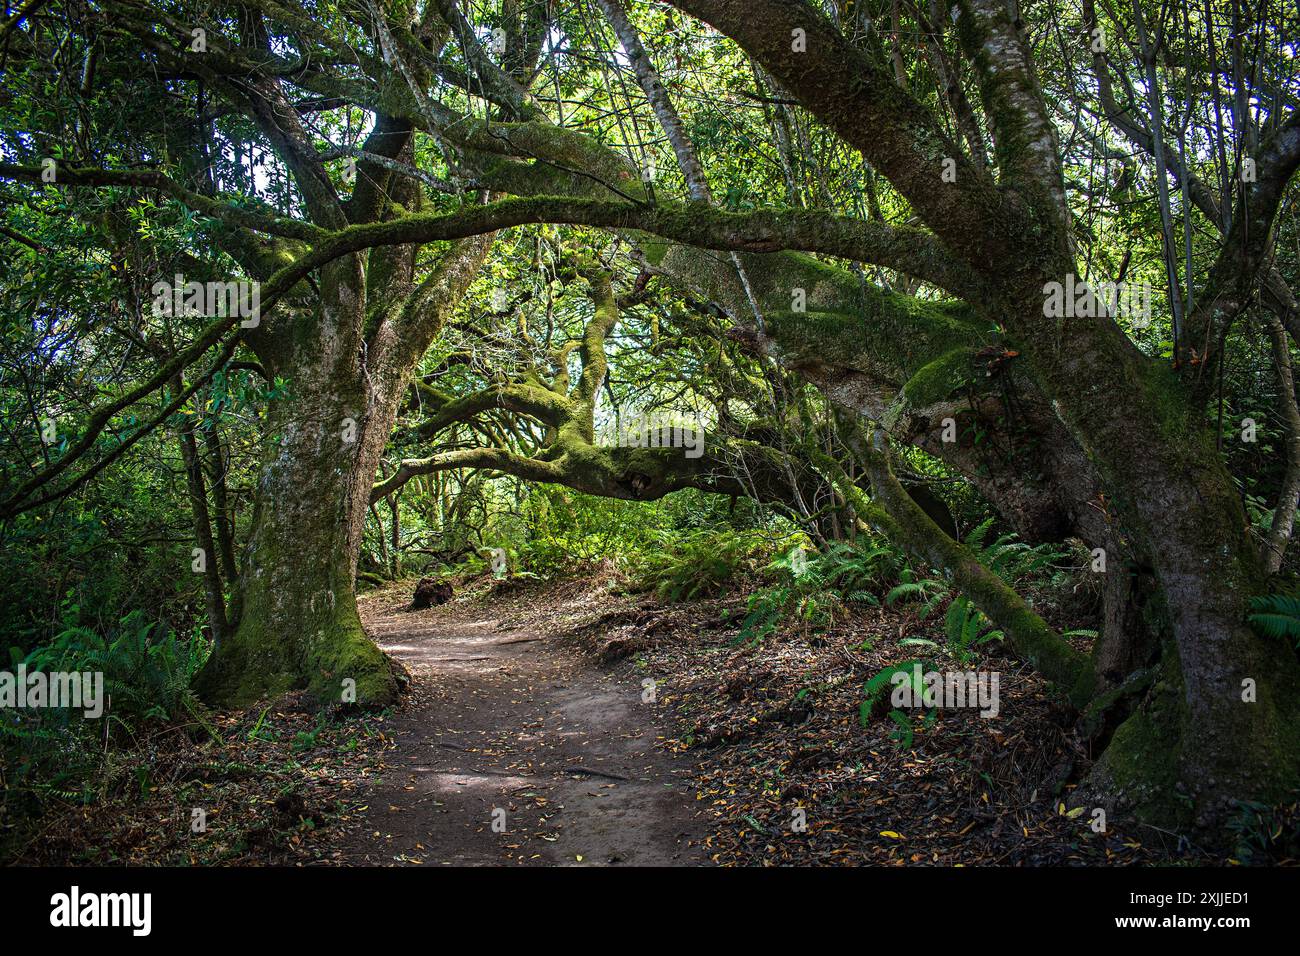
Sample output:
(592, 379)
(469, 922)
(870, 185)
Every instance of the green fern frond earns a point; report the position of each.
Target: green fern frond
(1276, 616)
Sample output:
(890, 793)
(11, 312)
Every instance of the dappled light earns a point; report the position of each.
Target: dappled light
(697, 433)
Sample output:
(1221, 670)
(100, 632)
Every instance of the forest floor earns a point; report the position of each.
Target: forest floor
(617, 729)
(595, 727)
(514, 749)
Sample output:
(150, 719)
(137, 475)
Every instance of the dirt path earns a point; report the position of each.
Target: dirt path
(503, 720)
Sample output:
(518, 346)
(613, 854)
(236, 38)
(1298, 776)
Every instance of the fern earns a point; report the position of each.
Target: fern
(975, 540)
(965, 628)
(876, 693)
(147, 669)
(765, 610)
(874, 689)
(697, 566)
(929, 591)
(1008, 557)
(854, 573)
(1277, 616)
(809, 588)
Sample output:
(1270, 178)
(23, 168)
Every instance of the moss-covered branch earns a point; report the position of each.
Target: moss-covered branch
(909, 250)
(893, 512)
(858, 98)
(520, 397)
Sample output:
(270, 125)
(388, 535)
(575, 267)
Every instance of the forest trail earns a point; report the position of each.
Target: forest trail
(503, 719)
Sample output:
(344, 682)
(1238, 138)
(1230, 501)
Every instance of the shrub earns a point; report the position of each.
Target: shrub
(698, 565)
(147, 670)
(55, 752)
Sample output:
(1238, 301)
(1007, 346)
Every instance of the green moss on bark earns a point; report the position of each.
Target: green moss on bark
(1140, 768)
(936, 381)
(1153, 766)
(895, 337)
(262, 661)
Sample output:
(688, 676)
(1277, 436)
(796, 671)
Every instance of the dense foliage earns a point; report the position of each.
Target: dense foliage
(499, 246)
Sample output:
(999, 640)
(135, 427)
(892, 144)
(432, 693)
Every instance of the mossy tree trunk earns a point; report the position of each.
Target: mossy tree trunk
(1222, 720)
(345, 350)
(300, 628)
(346, 373)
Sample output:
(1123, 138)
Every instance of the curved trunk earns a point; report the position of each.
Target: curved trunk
(300, 628)
(347, 367)
(1221, 721)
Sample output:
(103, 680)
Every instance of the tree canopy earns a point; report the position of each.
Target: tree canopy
(301, 295)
